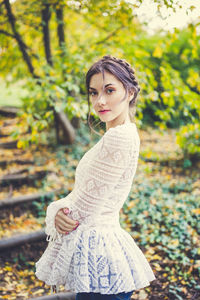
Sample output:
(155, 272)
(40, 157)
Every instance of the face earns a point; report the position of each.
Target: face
(107, 101)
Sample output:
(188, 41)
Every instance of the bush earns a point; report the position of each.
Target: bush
(188, 138)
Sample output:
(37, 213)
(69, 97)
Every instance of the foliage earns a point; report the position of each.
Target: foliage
(165, 63)
(40, 206)
(57, 90)
(161, 212)
(165, 218)
(188, 139)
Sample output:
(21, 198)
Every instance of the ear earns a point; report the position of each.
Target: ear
(131, 94)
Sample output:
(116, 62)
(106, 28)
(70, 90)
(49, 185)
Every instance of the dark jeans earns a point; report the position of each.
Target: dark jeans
(97, 296)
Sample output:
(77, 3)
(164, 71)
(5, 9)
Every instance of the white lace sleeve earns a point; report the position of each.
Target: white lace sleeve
(110, 164)
(52, 209)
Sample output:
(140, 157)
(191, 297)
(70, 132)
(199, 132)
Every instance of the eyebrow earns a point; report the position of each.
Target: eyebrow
(105, 86)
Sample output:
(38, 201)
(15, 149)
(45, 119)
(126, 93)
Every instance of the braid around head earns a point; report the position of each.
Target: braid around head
(124, 64)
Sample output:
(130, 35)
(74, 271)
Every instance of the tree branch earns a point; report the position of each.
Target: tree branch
(21, 44)
(7, 33)
(13, 36)
(109, 35)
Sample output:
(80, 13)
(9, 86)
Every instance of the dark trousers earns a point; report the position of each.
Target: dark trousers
(98, 296)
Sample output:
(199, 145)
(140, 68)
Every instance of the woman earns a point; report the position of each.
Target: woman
(88, 252)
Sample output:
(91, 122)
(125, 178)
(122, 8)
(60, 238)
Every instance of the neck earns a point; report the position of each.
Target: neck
(117, 121)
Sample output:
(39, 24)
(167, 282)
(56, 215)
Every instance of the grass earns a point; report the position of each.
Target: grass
(10, 95)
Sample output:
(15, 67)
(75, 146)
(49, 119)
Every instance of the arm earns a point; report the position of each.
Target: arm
(52, 209)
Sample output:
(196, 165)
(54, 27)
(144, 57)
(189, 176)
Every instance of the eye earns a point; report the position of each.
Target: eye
(92, 93)
(109, 91)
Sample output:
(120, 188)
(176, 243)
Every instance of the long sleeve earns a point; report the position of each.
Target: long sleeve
(52, 209)
(110, 163)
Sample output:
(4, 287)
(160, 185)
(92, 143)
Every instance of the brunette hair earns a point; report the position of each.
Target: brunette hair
(123, 71)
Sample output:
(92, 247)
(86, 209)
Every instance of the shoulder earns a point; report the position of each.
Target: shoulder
(125, 134)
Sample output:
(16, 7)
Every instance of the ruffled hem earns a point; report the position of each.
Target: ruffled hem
(100, 260)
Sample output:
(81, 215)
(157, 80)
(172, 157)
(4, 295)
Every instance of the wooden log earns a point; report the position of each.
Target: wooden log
(58, 296)
(16, 179)
(9, 202)
(18, 172)
(68, 129)
(9, 111)
(75, 121)
(20, 239)
(4, 163)
(3, 135)
(9, 145)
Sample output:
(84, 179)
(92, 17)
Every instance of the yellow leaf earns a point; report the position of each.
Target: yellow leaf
(196, 211)
(173, 279)
(156, 256)
(131, 204)
(175, 242)
(20, 144)
(157, 267)
(146, 213)
(153, 201)
(184, 290)
(38, 291)
(157, 52)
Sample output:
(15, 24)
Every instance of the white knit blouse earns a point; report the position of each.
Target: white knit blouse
(99, 256)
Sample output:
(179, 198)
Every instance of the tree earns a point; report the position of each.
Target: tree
(68, 38)
(57, 79)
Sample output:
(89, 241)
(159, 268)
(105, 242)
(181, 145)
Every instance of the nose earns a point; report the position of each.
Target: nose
(101, 99)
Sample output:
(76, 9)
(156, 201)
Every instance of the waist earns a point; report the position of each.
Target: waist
(102, 220)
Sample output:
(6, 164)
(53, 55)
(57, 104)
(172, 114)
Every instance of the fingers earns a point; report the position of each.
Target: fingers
(64, 229)
(60, 230)
(64, 223)
(65, 218)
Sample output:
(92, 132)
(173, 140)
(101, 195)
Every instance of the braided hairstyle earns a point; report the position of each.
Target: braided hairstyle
(123, 71)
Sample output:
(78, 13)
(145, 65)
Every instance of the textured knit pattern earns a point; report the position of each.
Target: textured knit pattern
(99, 256)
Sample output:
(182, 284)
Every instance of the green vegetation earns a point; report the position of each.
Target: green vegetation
(11, 95)
(166, 64)
(45, 53)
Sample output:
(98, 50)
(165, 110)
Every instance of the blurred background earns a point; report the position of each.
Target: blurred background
(46, 48)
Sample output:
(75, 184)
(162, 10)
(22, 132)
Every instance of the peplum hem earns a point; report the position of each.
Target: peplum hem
(99, 259)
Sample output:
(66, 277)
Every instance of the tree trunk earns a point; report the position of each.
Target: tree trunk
(60, 27)
(46, 15)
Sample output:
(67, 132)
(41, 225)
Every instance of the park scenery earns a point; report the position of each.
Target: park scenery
(46, 48)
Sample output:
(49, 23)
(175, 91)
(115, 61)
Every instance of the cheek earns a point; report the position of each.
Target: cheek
(93, 101)
(116, 98)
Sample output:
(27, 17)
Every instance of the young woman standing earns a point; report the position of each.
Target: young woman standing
(88, 251)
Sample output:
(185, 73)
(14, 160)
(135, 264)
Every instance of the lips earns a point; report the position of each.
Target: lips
(104, 110)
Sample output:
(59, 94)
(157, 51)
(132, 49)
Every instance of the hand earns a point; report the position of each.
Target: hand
(63, 223)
